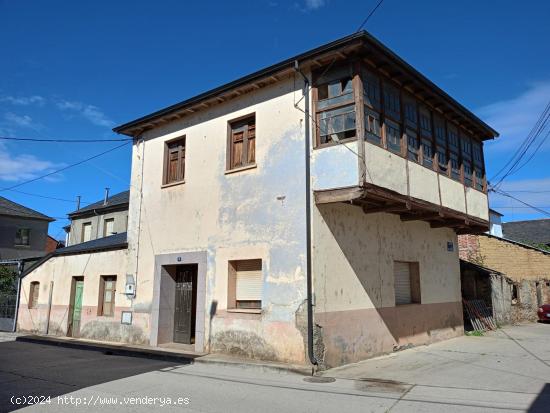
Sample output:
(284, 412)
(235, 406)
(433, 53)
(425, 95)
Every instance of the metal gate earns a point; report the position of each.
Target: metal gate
(8, 303)
(184, 317)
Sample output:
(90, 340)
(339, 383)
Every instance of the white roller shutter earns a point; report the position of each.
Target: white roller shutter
(249, 280)
(402, 282)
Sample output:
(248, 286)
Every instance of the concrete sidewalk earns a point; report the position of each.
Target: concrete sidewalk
(506, 369)
(172, 353)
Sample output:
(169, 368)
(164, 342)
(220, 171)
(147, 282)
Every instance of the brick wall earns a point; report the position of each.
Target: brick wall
(468, 248)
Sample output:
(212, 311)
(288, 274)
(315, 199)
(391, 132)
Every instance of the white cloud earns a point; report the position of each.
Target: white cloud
(90, 112)
(24, 121)
(16, 168)
(314, 4)
(24, 100)
(514, 118)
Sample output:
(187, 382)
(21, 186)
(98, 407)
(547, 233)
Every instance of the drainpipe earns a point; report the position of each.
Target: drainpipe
(20, 267)
(309, 286)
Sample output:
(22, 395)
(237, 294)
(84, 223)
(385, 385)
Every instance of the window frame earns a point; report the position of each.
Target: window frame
(333, 76)
(34, 294)
(103, 279)
(180, 169)
(105, 221)
(82, 232)
(245, 120)
(18, 242)
(233, 303)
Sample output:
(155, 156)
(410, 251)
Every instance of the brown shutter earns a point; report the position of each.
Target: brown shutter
(251, 150)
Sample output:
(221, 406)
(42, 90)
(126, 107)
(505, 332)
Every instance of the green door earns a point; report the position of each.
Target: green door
(77, 308)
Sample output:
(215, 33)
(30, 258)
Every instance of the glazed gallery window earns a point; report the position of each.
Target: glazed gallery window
(392, 103)
(33, 294)
(174, 161)
(107, 292)
(335, 106)
(23, 236)
(406, 282)
(393, 136)
(86, 231)
(242, 142)
(427, 153)
(412, 145)
(372, 127)
(245, 284)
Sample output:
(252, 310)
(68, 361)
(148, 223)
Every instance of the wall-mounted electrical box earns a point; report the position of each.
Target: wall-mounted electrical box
(130, 288)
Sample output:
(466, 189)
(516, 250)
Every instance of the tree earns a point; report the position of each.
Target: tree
(8, 278)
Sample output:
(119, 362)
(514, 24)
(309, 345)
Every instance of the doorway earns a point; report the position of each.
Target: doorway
(185, 304)
(75, 307)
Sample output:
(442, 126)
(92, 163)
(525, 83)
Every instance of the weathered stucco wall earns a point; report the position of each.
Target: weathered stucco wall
(335, 166)
(389, 170)
(61, 270)
(254, 213)
(353, 272)
(98, 221)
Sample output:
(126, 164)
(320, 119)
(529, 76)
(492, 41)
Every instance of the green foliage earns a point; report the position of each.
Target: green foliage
(8, 280)
(475, 333)
(543, 247)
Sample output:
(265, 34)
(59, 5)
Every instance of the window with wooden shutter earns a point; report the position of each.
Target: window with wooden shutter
(245, 284)
(33, 294)
(242, 143)
(406, 282)
(107, 292)
(174, 164)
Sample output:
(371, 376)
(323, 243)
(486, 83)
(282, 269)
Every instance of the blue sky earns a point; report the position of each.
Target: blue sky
(76, 69)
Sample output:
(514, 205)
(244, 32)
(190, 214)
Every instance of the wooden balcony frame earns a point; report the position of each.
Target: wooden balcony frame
(373, 199)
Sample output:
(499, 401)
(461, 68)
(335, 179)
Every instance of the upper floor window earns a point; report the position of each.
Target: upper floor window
(108, 227)
(23, 236)
(371, 90)
(453, 139)
(242, 142)
(455, 166)
(478, 153)
(466, 145)
(392, 102)
(335, 106)
(174, 161)
(467, 173)
(372, 127)
(410, 113)
(427, 153)
(425, 123)
(393, 136)
(412, 145)
(86, 231)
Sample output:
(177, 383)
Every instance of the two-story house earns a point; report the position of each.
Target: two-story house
(23, 231)
(307, 210)
(103, 218)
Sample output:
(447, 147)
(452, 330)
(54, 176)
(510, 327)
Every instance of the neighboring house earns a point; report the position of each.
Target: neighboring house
(100, 219)
(233, 247)
(534, 232)
(23, 231)
(52, 244)
(495, 223)
(526, 269)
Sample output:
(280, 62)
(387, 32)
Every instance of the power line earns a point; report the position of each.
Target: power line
(370, 15)
(73, 201)
(6, 138)
(500, 192)
(64, 168)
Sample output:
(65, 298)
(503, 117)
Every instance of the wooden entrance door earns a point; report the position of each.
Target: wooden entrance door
(76, 313)
(185, 304)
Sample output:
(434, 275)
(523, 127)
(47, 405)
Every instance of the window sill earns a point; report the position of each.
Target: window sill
(172, 184)
(244, 310)
(241, 168)
(333, 143)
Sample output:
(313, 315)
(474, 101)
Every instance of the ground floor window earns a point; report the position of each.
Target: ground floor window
(33, 294)
(406, 282)
(245, 284)
(107, 291)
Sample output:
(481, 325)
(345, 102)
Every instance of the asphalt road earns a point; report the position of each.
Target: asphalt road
(505, 371)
